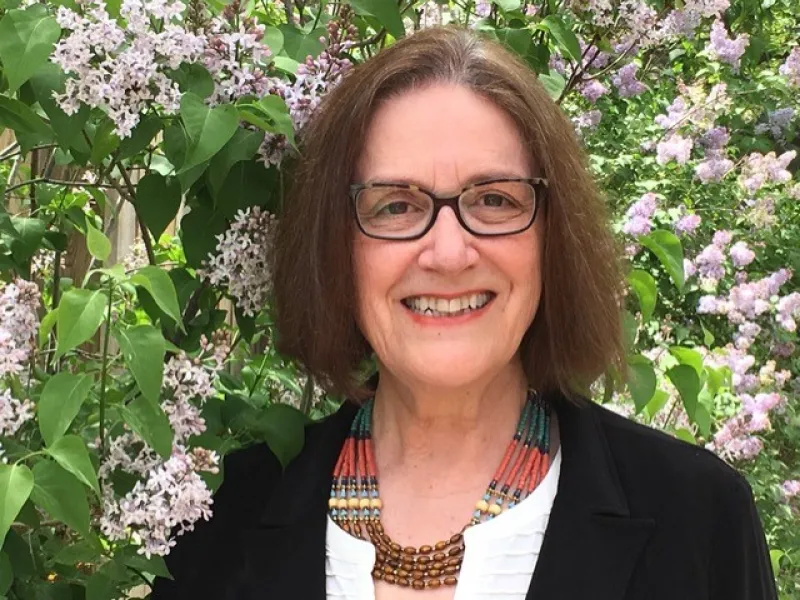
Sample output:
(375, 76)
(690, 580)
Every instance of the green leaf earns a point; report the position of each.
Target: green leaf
(241, 147)
(298, 44)
(684, 434)
(6, 573)
(155, 565)
(61, 495)
(71, 453)
(519, 40)
(554, 84)
(387, 12)
(286, 64)
(688, 356)
(283, 428)
(16, 483)
(508, 5)
(68, 128)
(641, 380)
(667, 248)
(273, 38)
(141, 136)
(104, 142)
(644, 286)
(27, 38)
(208, 129)
(98, 244)
(198, 247)
(147, 419)
(157, 202)
(19, 117)
(82, 551)
(194, 78)
(80, 313)
(61, 400)
(565, 39)
(29, 236)
(687, 382)
(157, 282)
(143, 347)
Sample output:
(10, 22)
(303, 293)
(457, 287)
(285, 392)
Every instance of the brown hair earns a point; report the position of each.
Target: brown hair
(576, 334)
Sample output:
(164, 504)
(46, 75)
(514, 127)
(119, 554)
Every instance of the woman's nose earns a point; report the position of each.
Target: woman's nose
(448, 245)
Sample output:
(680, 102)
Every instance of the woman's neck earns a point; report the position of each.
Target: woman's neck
(423, 431)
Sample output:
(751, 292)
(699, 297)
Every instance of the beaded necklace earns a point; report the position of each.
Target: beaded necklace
(355, 504)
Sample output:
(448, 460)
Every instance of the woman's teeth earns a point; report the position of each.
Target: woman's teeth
(439, 307)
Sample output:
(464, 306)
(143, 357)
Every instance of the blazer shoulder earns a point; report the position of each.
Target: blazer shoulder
(654, 464)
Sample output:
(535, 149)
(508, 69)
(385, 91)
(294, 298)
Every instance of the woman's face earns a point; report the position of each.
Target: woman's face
(442, 138)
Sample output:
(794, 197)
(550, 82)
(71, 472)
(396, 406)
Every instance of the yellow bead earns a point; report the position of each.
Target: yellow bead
(364, 503)
(352, 503)
(482, 505)
(342, 503)
(376, 503)
(495, 509)
(332, 502)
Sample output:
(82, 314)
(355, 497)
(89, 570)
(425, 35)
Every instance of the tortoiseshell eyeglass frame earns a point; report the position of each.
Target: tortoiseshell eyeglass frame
(536, 183)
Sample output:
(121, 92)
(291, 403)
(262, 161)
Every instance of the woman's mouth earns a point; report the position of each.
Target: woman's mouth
(431, 306)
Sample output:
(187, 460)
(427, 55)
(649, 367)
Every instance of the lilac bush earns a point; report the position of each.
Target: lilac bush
(125, 382)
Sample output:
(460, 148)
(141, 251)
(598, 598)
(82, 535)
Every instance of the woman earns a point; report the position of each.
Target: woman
(474, 263)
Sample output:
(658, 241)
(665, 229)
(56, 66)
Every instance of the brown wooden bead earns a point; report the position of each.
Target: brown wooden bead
(418, 585)
(435, 572)
(438, 565)
(456, 539)
(402, 573)
(396, 547)
(403, 581)
(389, 578)
(410, 550)
(454, 551)
(387, 569)
(433, 583)
(440, 545)
(453, 560)
(394, 554)
(450, 570)
(423, 560)
(439, 556)
(425, 549)
(450, 581)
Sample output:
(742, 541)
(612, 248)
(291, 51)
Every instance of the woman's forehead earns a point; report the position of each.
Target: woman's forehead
(442, 133)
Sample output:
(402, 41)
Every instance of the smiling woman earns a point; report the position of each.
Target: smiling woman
(442, 221)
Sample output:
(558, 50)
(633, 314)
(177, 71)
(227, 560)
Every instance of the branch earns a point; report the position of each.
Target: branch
(287, 8)
(57, 182)
(148, 245)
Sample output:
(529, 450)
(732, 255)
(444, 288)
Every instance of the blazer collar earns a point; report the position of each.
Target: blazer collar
(590, 547)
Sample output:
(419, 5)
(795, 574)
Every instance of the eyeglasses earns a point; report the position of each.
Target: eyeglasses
(390, 211)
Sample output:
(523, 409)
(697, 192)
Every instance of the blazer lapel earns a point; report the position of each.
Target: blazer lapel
(592, 543)
(285, 550)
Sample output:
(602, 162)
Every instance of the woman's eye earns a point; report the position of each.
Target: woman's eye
(396, 208)
(493, 200)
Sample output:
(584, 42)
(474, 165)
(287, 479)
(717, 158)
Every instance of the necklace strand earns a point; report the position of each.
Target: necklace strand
(355, 503)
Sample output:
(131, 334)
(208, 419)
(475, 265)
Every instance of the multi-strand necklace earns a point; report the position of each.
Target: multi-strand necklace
(355, 503)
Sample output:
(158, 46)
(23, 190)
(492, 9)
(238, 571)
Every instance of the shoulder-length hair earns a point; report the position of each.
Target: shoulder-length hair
(576, 334)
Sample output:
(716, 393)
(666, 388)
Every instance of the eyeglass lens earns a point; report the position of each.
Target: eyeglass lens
(490, 209)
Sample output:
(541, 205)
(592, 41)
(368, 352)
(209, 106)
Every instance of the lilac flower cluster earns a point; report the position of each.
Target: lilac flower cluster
(235, 56)
(778, 122)
(483, 8)
(741, 255)
(626, 83)
(726, 49)
(19, 323)
(314, 78)
(790, 489)
(687, 224)
(735, 439)
(588, 120)
(593, 90)
(788, 309)
(123, 70)
(13, 413)
(169, 493)
(638, 217)
(240, 262)
(791, 68)
(715, 165)
(675, 147)
(760, 169)
(173, 497)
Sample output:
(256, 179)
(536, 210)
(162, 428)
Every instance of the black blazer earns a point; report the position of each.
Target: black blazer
(638, 515)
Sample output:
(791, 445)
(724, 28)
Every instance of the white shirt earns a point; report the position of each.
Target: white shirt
(499, 555)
